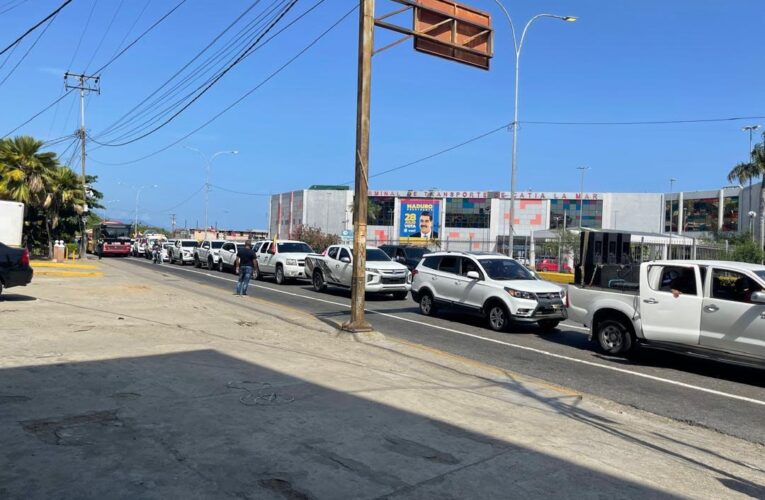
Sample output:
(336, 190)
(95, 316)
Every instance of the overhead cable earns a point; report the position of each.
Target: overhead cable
(30, 30)
(241, 98)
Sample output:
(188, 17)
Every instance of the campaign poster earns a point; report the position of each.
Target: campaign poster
(420, 219)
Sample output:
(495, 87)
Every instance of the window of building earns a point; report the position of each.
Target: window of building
(591, 213)
(730, 213)
(468, 212)
(380, 210)
(671, 213)
(701, 215)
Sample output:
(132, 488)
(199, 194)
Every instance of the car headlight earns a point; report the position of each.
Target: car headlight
(520, 294)
(373, 271)
(291, 262)
(409, 277)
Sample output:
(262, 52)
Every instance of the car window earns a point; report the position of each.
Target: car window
(733, 286)
(190, 244)
(344, 254)
(377, 255)
(400, 253)
(264, 248)
(388, 249)
(332, 252)
(217, 244)
(293, 248)
(506, 269)
(449, 264)
(205, 245)
(431, 262)
(469, 265)
(668, 278)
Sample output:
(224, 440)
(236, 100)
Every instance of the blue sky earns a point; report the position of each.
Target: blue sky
(622, 61)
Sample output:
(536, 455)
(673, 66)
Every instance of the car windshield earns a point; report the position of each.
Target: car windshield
(189, 244)
(760, 274)
(377, 255)
(217, 244)
(505, 269)
(293, 248)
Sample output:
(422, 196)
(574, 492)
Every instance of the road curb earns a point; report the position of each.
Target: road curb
(62, 265)
(70, 274)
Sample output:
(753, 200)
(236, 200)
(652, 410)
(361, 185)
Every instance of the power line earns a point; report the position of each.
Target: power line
(239, 192)
(46, 108)
(209, 85)
(650, 122)
(103, 37)
(132, 26)
(34, 44)
(242, 97)
(30, 30)
(82, 34)
(19, 3)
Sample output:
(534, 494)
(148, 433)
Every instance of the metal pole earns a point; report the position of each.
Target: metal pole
(360, 200)
(671, 187)
(581, 194)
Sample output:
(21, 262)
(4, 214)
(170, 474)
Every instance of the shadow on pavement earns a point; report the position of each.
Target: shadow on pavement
(203, 424)
(15, 297)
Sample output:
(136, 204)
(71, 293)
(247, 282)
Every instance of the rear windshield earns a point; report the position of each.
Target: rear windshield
(377, 255)
(189, 244)
(506, 269)
(293, 248)
(416, 253)
(217, 244)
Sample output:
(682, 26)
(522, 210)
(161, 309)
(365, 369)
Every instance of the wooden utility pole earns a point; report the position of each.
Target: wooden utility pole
(83, 83)
(361, 185)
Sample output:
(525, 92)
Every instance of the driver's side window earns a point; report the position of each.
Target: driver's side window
(333, 252)
(344, 254)
(264, 248)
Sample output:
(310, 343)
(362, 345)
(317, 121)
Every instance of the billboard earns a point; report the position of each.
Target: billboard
(420, 218)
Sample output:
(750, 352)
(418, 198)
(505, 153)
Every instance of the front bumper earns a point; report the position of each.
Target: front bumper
(542, 309)
(383, 288)
(294, 271)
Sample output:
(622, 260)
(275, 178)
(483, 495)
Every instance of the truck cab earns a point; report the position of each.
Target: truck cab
(283, 259)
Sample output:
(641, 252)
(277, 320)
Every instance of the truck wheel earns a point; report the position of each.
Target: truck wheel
(497, 317)
(400, 295)
(197, 264)
(548, 325)
(221, 267)
(256, 273)
(427, 306)
(318, 281)
(614, 337)
(280, 275)
(210, 264)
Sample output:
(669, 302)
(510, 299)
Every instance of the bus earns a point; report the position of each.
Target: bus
(116, 236)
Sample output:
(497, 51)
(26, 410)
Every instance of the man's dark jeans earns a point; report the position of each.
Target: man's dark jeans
(245, 274)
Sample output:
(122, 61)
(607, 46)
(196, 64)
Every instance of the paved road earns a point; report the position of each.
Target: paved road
(726, 398)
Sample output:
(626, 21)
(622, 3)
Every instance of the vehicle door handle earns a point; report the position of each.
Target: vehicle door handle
(711, 308)
(651, 301)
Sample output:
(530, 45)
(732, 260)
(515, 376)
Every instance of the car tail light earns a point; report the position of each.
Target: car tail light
(24, 258)
(565, 292)
(414, 273)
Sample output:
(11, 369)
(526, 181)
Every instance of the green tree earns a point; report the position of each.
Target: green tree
(315, 238)
(64, 194)
(24, 170)
(750, 171)
(748, 251)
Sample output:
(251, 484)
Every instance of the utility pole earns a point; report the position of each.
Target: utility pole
(366, 44)
(83, 83)
(671, 201)
(172, 225)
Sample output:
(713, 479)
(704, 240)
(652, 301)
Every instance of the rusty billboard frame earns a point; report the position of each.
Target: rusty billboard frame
(446, 29)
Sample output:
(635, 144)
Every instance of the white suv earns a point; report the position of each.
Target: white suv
(490, 285)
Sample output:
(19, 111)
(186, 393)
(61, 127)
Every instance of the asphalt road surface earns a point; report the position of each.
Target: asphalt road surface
(726, 398)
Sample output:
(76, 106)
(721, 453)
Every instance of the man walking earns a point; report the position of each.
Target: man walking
(245, 259)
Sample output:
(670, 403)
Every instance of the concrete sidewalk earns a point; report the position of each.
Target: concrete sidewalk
(143, 385)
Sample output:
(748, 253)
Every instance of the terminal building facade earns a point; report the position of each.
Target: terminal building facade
(480, 220)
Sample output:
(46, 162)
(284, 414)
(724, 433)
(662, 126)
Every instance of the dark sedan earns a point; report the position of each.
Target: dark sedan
(14, 267)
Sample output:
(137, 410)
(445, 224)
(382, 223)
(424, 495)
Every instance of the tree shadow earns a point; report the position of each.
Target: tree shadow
(204, 424)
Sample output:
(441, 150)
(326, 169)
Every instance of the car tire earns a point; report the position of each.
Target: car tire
(221, 266)
(400, 295)
(280, 279)
(614, 337)
(497, 317)
(210, 264)
(427, 304)
(197, 264)
(318, 281)
(548, 325)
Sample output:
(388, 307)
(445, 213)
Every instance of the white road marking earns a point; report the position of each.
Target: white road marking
(509, 344)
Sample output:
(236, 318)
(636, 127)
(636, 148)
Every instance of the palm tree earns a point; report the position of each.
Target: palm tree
(64, 193)
(24, 168)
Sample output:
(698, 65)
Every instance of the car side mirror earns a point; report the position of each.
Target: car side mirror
(758, 298)
(400, 259)
(345, 259)
(473, 275)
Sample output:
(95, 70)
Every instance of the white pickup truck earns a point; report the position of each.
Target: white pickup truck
(284, 259)
(208, 253)
(712, 309)
(335, 267)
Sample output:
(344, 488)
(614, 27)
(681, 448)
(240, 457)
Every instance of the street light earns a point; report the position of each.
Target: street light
(751, 129)
(137, 194)
(518, 46)
(582, 170)
(208, 163)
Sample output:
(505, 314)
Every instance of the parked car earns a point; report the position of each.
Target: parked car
(182, 251)
(14, 267)
(228, 252)
(207, 253)
(335, 268)
(166, 250)
(486, 284)
(707, 308)
(284, 259)
(409, 255)
(547, 265)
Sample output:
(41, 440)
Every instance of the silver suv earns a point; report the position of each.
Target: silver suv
(487, 284)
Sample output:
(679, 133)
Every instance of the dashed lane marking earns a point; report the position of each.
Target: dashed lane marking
(646, 376)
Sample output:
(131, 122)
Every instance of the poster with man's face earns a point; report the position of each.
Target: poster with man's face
(419, 218)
